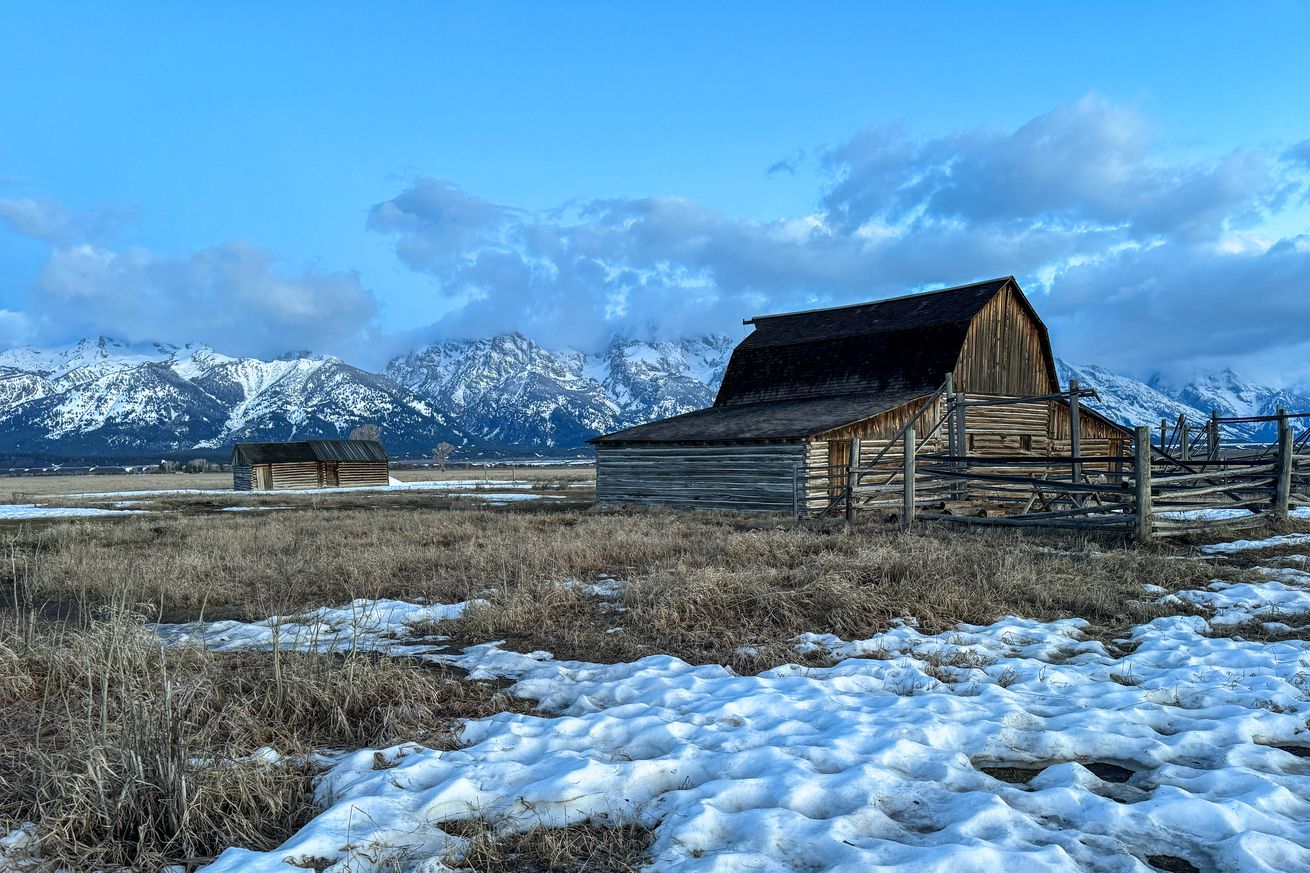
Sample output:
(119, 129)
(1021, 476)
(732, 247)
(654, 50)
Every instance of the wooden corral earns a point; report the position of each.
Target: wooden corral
(309, 464)
(809, 395)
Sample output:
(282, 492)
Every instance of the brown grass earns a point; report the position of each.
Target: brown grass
(22, 489)
(129, 756)
(583, 848)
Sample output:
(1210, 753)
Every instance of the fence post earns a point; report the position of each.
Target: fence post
(1212, 438)
(852, 464)
(1075, 431)
(1283, 469)
(1142, 484)
(1184, 450)
(1164, 434)
(907, 507)
(954, 434)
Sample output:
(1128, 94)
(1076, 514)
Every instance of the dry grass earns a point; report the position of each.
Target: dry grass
(129, 756)
(584, 848)
(22, 489)
(752, 588)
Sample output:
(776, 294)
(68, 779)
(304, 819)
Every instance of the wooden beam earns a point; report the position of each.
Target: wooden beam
(1142, 484)
(1283, 486)
(908, 505)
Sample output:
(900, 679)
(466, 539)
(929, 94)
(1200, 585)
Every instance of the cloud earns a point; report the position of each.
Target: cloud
(51, 222)
(1117, 240)
(234, 296)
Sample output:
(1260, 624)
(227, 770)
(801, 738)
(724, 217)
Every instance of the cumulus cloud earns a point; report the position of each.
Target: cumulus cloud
(234, 296)
(1081, 203)
(50, 221)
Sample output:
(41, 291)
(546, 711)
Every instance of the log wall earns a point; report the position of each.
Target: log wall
(745, 477)
(289, 476)
(358, 474)
(242, 479)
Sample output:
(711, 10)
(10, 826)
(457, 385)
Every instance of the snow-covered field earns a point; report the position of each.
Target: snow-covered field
(26, 511)
(1018, 746)
(494, 492)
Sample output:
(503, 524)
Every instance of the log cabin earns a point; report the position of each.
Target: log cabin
(309, 464)
(805, 389)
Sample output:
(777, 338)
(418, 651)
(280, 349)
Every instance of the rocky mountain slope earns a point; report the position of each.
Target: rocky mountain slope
(101, 398)
(1136, 403)
(508, 389)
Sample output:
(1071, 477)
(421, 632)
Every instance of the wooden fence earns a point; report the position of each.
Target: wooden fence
(1154, 492)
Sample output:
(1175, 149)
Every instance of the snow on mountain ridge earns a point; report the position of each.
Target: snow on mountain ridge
(508, 388)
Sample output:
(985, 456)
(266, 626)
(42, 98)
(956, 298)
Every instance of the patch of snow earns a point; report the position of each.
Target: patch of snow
(444, 485)
(876, 762)
(24, 511)
(1246, 545)
(1207, 514)
(361, 625)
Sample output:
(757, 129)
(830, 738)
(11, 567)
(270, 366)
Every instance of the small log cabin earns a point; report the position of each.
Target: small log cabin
(802, 386)
(309, 464)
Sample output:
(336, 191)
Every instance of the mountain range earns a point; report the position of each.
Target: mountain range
(103, 400)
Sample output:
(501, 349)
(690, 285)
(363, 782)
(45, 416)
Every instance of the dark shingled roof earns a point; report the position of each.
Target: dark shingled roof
(770, 420)
(803, 373)
(246, 454)
(898, 345)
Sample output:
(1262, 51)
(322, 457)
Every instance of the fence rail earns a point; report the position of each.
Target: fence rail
(1162, 489)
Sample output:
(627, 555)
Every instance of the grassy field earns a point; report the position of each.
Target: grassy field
(129, 755)
(23, 489)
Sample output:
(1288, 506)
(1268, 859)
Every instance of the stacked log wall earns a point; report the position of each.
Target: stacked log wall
(292, 475)
(745, 477)
(360, 474)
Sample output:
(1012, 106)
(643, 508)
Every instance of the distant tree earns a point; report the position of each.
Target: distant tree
(366, 432)
(441, 453)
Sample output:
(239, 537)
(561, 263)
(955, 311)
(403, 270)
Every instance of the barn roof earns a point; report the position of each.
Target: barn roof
(768, 420)
(246, 454)
(803, 373)
(898, 345)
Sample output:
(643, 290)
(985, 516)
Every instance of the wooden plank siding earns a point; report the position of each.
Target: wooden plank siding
(1006, 351)
(745, 477)
(242, 479)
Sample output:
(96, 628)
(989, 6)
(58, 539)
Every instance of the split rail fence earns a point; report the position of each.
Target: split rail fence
(1182, 484)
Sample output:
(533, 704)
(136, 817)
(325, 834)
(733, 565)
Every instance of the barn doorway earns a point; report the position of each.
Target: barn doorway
(331, 478)
(839, 460)
(263, 474)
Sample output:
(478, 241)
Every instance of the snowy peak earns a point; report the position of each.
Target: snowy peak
(510, 389)
(1133, 402)
(104, 396)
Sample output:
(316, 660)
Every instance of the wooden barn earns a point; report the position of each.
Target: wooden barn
(805, 389)
(309, 464)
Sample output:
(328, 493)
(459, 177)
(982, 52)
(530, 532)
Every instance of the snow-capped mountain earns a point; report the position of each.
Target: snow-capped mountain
(1134, 402)
(1235, 397)
(508, 389)
(103, 397)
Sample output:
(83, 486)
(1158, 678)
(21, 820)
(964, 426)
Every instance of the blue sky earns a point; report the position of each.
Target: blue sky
(360, 179)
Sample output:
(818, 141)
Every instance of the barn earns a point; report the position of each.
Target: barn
(309, 464)
(806, 390)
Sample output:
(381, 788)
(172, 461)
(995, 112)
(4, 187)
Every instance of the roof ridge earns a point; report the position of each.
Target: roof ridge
(967, 285)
